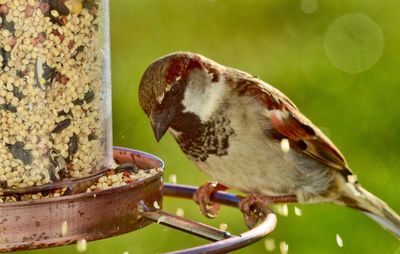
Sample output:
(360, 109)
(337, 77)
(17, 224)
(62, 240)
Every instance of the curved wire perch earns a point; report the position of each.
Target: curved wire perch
(220, 246)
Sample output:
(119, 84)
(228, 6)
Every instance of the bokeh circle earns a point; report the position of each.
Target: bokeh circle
(353, 43)
(308, 6)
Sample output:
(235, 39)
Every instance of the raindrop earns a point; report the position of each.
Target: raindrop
(354, 43)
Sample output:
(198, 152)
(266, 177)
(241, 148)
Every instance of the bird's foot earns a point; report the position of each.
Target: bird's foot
(203, 197)
(255, 206)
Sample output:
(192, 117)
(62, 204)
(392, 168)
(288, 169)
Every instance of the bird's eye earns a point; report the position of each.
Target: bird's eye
(174, 89)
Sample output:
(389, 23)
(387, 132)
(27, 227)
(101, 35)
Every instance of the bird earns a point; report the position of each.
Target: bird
(249, 136)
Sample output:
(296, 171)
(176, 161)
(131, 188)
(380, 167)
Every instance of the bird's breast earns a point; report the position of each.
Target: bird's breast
(234, 149)
(205, 139)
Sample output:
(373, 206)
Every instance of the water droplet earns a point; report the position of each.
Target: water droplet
(354, 43)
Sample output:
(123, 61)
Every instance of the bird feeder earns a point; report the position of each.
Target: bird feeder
(68, 219)
(57, 163)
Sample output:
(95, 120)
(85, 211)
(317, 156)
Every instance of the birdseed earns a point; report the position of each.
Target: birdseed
(285, 146)
(298, 211)
(172, 179)
(33, 196)
(282, 209)
(180, 212)
(339, 240)
(81, 245)
(223, 226)
(113, 178)
(64, 228)
(284, 247)
(269, 245)
(285, 210)
(51, 87)
(156, 205)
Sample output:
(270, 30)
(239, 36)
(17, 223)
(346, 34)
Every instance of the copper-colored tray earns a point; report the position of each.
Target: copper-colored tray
(105, 213)
(91, 216)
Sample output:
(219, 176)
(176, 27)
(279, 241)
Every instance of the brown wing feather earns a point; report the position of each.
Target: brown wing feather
(288, 122)
(304, 136)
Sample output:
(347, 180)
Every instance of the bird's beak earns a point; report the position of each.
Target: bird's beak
(160, 122)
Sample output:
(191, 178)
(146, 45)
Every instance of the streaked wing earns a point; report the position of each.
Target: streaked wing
(288, 122)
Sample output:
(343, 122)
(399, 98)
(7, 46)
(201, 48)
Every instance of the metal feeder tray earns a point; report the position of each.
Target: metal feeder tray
(38, 224)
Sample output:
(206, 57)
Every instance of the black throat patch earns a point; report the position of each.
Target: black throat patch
(200, 140)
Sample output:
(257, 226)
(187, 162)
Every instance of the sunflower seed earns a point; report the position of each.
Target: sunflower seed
(59, 6)
(73, 145)
(10, 26)
(18, 152)
(89, 96)
(17, 93)
(92, 136)
(62, 125)
(6, 57)
(127, 167)
(9, 107)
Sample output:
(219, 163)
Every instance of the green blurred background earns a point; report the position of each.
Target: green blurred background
(339, 62)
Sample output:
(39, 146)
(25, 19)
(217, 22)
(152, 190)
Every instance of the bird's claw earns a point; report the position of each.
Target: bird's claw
(203, 197)
(254, 208)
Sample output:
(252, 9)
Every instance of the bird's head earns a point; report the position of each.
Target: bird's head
(180, 83)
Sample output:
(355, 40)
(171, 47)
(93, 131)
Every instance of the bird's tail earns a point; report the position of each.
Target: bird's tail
(375, 208)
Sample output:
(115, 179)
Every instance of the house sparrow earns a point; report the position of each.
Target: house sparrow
(249, 136)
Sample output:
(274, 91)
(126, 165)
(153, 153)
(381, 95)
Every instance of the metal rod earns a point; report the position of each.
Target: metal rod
(185, 191)
(186, 225)
(229, 244)
(235, 242)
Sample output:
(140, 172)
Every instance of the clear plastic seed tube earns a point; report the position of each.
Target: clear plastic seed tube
(55, 109)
